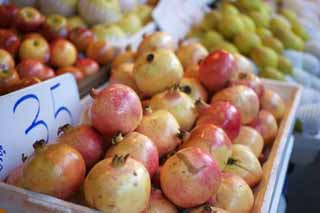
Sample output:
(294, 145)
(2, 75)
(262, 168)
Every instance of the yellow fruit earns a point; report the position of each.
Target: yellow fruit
(130, 23)
(264, 57)
(211, 38)
(290, 40)
(260, 19)
(227, 8)
(211, 20)
(263, 32)
(290, 15)
(245, 41)
(279, 23)
(249, 4)
(299, 30)
(284, 65)
(273, 43)
(272, 73)
(226, 46)
(248, 23)
(230, 25)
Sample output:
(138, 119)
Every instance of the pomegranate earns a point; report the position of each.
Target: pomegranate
(194, 89)
(15, 175)
(179, 104)
(224, 115)
(266, 125)
(251, 138)
(162, 128)
(156, 71)
(156, 40)
(243, 64)
(85, 139)
(123, 74)
(118, 184)
(117, 108)
(244, 164)
(126, 57)
(216, 70)
(140, 148)
(249, 80)
(55, 169)
(191, 71)
(191, 54)
(273, 103)
(159, 204)
(242, 97)
(211, 140)
(208, 209)
(190, 177)
(234, 194)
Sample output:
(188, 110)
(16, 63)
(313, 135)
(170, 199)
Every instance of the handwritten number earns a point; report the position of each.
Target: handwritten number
(60, 109)
(35, 123)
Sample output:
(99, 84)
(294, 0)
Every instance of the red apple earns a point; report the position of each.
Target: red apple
(35, 47)
(9, 41)
(242, 97)
(87, 66)
(216, 70)
(81, 37)
(7, 14)
(76, 72)
(8, 78)
(211, 140)
(6, 61)
(29, 19)
(224, 115)
(29, 68)
(63, 53)
(55, 27)
(100, 51)
(248, 79)
(266, 125)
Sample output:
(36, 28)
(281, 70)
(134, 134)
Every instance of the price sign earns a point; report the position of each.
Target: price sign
(177, 16)
(35, 113)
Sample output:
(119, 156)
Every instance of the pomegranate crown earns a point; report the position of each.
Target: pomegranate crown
(119, 160)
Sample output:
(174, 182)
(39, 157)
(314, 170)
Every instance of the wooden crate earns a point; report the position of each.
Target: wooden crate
(20, 200)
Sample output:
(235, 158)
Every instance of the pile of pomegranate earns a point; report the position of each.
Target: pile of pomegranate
(174, 130)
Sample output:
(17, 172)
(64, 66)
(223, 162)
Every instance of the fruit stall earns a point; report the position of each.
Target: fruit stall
(154, 106)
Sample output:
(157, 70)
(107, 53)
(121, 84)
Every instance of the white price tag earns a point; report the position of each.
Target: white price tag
(35, 113)
(177, 16)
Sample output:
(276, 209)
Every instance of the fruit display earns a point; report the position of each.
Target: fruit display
(253, 29)
(155, 140)
(65, 36)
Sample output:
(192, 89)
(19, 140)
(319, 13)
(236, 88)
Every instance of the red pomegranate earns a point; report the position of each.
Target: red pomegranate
(250, 80)
(242, 97)
(266, 125)
(224, 115)
(55, 169)
(159, 204)
(216, 70)
(190, 177)
(117, 108)
(179, 104)
(139, 147)
(211, 140)
(85, 139)
(162, 128)
(118, 184)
